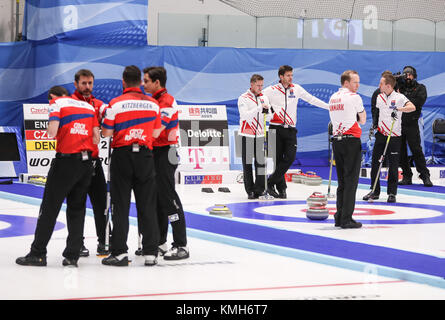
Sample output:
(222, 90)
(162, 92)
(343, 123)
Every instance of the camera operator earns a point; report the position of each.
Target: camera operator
(416, 93)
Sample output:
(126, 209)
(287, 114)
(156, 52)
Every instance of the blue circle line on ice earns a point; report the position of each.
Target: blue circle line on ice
(21, 225)
(247, 210)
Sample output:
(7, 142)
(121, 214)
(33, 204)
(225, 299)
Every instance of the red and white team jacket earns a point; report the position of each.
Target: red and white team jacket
(343, 108)
(169, 118)
(132, 116)
(98, 105)
(386, 105)
(76, 122)
(251, 114)
(284, 102)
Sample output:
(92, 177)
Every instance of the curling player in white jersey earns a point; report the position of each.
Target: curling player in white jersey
(251, 106)
(390, 105)
(283, 98)
(347, 112)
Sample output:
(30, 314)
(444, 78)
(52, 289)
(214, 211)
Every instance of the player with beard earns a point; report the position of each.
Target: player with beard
(84, 82)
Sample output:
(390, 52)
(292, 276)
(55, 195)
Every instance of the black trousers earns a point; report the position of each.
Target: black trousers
(133, 171)
(169, 204)
(347, 154)
(253, 153)
(67, 178)
(411, 135)
(98, 197)
(393, 157)
(283, 152)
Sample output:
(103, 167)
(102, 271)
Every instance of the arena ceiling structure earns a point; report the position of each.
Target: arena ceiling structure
(433, 10)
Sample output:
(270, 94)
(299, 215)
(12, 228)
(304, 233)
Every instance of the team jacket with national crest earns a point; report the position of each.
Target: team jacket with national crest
(98, 106)
(169, 119)
(132, 116)
(76, 122)
(343, 108)
(386, 105)
(284, 102)
(251, 117)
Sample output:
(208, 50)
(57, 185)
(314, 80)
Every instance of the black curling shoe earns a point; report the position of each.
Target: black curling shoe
(30, 260)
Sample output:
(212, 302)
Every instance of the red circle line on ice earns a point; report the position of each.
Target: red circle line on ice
(361, 211)
(250, 210)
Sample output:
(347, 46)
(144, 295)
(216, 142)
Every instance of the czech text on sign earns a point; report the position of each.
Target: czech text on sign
(37, 135)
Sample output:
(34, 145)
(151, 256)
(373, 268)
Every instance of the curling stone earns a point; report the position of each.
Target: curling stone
(299, 177)
(317, 213)
(37, 179)
(220, 210)
(317, 199)
(311, 179)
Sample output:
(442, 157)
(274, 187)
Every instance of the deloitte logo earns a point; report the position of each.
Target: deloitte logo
(207, 133)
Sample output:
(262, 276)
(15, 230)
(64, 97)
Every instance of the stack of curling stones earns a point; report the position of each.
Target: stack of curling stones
(317, 206)
(310, 178)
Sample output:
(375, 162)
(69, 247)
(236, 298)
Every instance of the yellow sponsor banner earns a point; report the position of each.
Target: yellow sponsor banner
(33, 145)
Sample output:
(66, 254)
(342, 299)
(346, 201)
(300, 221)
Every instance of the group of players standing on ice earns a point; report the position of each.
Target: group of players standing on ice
(144, 133)
(144, 140)
(278, 103)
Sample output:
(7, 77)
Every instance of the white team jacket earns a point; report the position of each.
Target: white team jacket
(251, 117)
(386, 105)
(284, 102)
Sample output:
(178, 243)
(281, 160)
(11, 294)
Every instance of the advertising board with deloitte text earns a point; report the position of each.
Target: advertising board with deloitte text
(203, 139)
(203, 132)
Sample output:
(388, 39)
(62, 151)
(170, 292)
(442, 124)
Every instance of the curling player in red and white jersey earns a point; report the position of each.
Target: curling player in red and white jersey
(390, 105)
(347, 112)
(74, 125)
(133, 119)
(84, 82)
(283, 99)
(166, 160)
